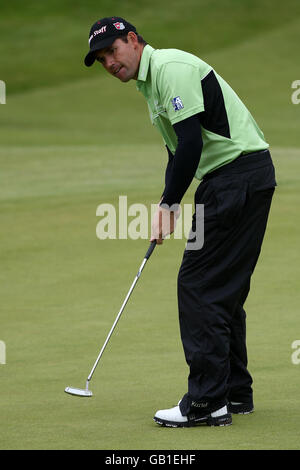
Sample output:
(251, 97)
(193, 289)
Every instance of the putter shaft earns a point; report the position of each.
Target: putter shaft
(147, 256)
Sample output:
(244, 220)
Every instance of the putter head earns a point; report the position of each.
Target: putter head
(79, 392)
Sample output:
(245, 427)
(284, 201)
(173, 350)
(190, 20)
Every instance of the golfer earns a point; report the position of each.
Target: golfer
(209, 134)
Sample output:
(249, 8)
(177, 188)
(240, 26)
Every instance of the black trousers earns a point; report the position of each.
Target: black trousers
(214, 281)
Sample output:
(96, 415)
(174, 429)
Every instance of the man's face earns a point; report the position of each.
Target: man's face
(122, 59)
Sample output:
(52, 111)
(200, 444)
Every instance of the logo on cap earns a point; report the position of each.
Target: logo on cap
(98, 31)
(119, 25)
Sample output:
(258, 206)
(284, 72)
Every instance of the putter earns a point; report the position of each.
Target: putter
(79, 392)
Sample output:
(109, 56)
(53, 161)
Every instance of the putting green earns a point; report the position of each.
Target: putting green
(68, 144)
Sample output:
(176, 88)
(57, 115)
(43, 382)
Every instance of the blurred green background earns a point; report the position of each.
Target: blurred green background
(72, 138)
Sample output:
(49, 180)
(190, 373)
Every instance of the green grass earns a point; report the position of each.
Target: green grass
(61, 289)
(43, 43)
(71, 139)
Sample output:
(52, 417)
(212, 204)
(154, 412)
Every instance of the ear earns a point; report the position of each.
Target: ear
(132, 37)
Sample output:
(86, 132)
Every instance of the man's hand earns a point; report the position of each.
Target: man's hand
(163, 224)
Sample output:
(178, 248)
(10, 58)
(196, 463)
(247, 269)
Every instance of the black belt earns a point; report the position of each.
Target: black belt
(242, 163)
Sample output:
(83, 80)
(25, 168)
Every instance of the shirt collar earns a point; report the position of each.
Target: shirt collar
(144, 64)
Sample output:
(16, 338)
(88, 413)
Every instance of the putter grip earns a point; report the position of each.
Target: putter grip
(150, 249)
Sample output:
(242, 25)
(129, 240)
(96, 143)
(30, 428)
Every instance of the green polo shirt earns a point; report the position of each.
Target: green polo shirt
(172, 83)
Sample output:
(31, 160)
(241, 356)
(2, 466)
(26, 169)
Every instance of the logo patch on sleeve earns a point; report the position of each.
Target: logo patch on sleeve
(177, 103)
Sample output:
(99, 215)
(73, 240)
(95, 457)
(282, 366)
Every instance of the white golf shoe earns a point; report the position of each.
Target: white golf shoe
(173, 418)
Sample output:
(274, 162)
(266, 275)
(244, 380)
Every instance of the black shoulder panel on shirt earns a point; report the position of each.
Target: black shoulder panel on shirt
(214, 118)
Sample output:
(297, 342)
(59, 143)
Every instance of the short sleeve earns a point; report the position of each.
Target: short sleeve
(180, 90)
